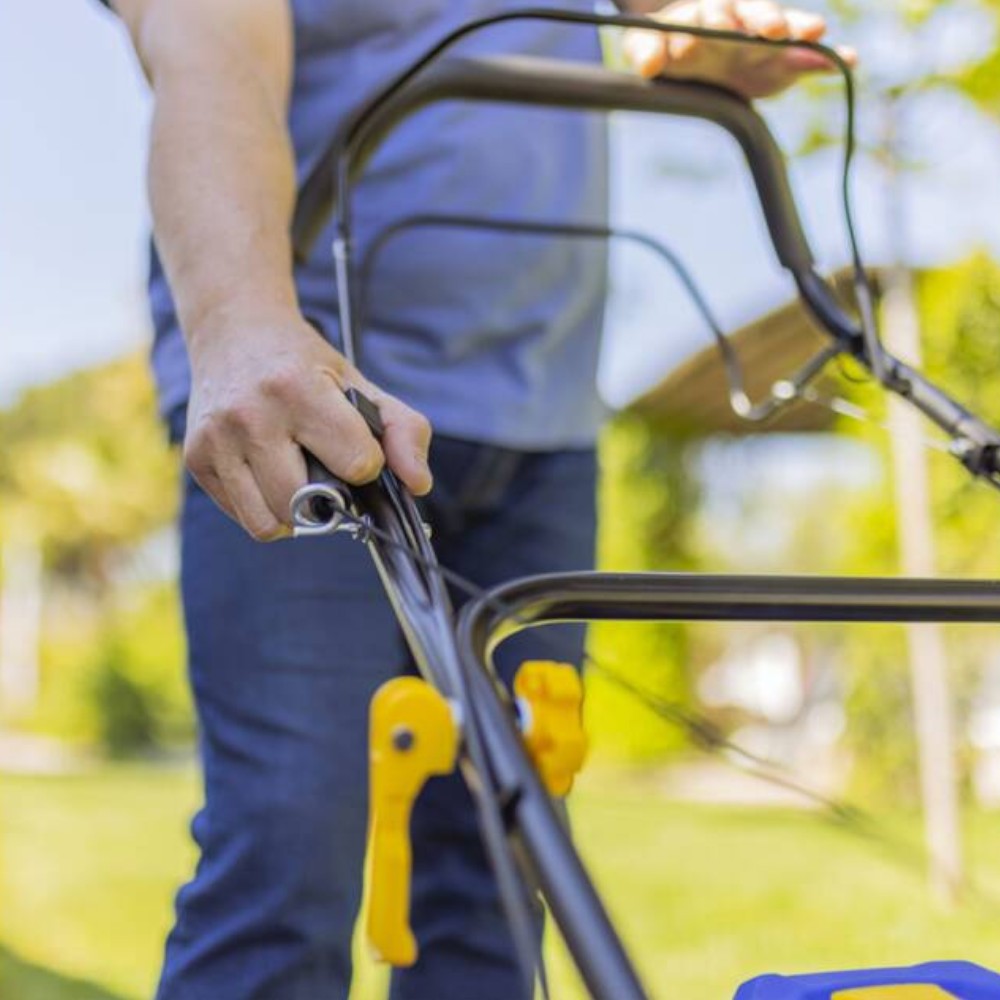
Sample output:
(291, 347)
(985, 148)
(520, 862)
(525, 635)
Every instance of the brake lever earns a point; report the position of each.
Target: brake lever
(322, 506)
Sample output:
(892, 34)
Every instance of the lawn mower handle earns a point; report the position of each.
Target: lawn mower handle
(560, 83)
(555, 83)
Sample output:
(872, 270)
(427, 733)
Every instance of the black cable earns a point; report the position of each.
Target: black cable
(739, 399)
(530, 227)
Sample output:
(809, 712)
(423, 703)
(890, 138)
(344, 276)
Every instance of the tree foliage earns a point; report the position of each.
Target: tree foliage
(87, 475)
(649, 495)
(85, 469)
(960, 315)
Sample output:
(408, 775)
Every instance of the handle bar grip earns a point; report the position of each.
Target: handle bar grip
(319, 475)
(556, 83)
(320, 505)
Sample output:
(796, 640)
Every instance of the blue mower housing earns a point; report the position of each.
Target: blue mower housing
(931, 981)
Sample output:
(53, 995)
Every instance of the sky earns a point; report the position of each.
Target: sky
(73, 220)
(73, 120)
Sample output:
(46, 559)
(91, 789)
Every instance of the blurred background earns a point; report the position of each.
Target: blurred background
(869, 834)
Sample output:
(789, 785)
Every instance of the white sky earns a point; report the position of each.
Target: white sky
(72, 208)
(73, 118)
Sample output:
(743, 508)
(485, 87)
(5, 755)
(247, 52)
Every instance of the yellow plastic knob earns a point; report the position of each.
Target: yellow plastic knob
(551, 695)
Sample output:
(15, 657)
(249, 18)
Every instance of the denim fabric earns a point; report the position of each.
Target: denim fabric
(288, 642)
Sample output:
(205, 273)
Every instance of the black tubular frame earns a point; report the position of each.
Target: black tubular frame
(523, 832)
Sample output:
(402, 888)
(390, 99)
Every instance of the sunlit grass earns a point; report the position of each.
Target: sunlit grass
(705, 896)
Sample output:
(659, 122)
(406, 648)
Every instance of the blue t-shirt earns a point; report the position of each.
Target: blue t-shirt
(494, 337)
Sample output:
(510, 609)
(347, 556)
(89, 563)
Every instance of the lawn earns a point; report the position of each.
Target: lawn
(705, 896)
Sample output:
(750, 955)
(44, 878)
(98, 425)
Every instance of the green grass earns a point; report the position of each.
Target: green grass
(705, 896)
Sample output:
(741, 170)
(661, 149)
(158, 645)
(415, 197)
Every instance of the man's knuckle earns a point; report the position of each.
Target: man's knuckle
(238, 416)
(198, 450)
(362, 464)
(280, 383)
(197, 463)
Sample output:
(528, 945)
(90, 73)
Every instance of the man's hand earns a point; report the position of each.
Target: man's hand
(222, 189)
(751, 71)
(262, 394)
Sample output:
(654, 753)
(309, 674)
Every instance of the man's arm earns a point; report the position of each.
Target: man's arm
(222, 189)
(753, 72)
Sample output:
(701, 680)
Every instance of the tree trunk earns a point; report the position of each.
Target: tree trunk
(20, 627)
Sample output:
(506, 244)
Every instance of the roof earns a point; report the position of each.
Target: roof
(694, 396)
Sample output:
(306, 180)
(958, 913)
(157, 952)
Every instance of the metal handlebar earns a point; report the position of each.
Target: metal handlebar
(558, 83)
(555, 83)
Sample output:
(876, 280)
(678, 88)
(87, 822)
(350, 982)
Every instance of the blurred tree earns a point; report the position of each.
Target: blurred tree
(135, 681)
(649, 496)
(981, 79)
(86, 475)
(86, 470)
(959, 308)
(911, 64)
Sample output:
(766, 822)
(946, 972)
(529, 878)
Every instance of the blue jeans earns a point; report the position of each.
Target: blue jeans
(287, 644)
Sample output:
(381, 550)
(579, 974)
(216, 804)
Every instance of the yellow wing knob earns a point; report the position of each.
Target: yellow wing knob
(413, 736)
(551, 695)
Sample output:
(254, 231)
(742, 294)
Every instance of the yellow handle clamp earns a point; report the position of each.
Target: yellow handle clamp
(413, 736)
(551, 699)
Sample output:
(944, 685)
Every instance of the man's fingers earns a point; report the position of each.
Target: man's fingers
(646, 51)
(247, 500)
(805, 61)
(848, 54)
(406, 442)
(346, 446)
(719, 15)
(279, 469)
(805, 26)
(764, 18)
(681, 47)
(649, 53)
(754, 74)
(338, 436)
(203, 447)
(210, 482)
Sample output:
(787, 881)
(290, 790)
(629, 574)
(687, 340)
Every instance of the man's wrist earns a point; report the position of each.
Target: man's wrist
(238, 322)
(236, 317)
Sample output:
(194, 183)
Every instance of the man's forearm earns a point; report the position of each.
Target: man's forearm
(221, 177)
(222, 184)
